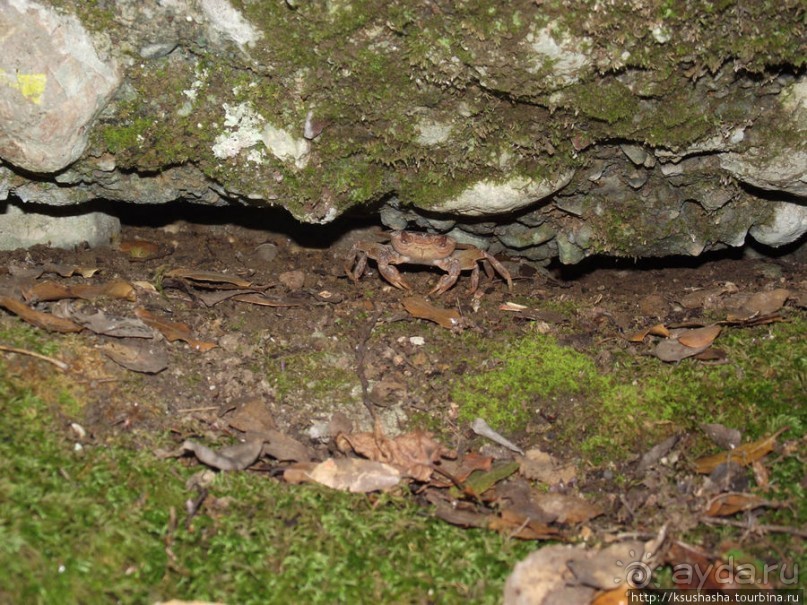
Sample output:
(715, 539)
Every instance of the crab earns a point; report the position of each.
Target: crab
(427, 249)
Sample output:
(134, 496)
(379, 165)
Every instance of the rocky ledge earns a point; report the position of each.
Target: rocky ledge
(544, 129)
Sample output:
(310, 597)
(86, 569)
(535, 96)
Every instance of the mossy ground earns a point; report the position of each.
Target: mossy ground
(107, 524)
(108, 521)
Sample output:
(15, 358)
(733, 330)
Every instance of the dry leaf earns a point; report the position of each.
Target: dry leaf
(724, 505)
(232, 458)
(413, 453)
(147, 357)
(117, 327)
(69, 270)
(765, 303)
(45, 321)
(282, 447)
(568, 510)
(542, 578)
(742, 455)
(355, 475)
(251, 414)
(699, 338)
(209, 277)
(515, 525)
(657, 330)
(617, 596)
(49, 290)
(140, 250)
(419, 307)
(537, 465)
(256, 298)
(173, 330)
(671, 350)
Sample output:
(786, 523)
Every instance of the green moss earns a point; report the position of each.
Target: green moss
(534, 373)
(107, 524)
(643, 400)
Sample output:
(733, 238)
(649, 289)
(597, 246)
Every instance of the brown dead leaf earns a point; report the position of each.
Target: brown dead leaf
(282, 447)
(699, 338)
(44, 321)
(173, 330)
(567, 510)
(519, 526)
(742, 455)
(707, 298)
(724, 505)
(232, 458)
(355, 475)
(695, 569)
(250, 414)
(255, 298)
(537, 465)
(765, 303)
(656, 330)
(48, 290)
(69, 270)
(672, 351)
(147, 357)
(99, 322)
(543, 577)
(461, 468)
(617, 596)
(140, 250)
(413, 453)
(299, 472)
(209, 277)
(419, 307)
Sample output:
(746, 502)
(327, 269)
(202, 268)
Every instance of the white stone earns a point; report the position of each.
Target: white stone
(285, 146)
(22, 228)
(489, 197)
(562, 51)
(227, 20)
(52, 86)
(789, 223)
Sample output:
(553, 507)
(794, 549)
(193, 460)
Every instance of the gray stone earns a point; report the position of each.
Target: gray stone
(52, 85)
(788, 224)
(22, 228)
(519, 237)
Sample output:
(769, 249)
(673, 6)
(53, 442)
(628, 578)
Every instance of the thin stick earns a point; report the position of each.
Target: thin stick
(59, 364)
(361, 352)
(777, 529)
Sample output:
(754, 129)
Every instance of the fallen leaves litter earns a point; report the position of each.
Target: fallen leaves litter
(40, 319)
(414, 454)
(138, 356)
(48, 291)
(355, 475)
(724, 505)
(743, 455)
(173, 331)
(420, 308)
(209, 277)
(231, 458)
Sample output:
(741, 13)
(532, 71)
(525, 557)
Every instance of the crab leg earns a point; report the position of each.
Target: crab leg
(360, 258)
(500, 270)
(452, 267)
(393, 276)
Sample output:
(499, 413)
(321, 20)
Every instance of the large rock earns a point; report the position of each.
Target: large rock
(533, 128)
(52, 86)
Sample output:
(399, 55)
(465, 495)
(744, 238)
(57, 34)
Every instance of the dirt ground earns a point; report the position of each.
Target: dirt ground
(296, 351)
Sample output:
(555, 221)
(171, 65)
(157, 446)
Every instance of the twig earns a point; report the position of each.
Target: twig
(195, 505)
(204, 409)
(59, 364)
(778, 529)
(361, 353)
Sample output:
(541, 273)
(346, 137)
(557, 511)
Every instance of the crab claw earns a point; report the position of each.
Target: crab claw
(393, 276)
(452, 267)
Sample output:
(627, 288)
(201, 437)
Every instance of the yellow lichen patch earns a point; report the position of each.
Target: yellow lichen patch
(31, 86)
